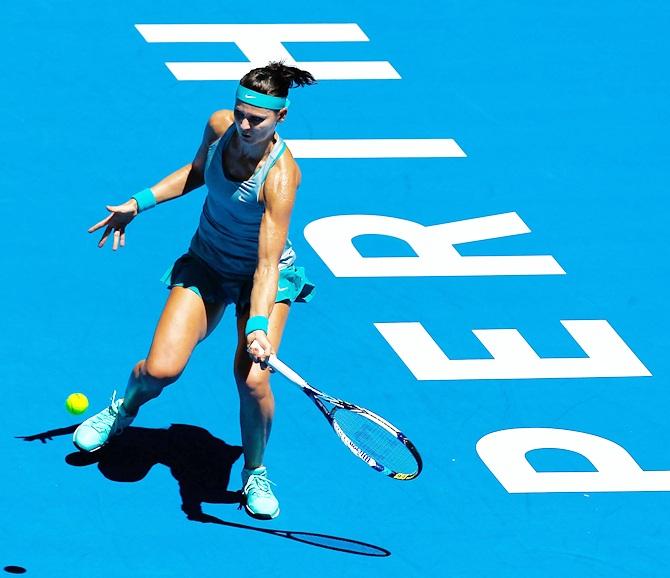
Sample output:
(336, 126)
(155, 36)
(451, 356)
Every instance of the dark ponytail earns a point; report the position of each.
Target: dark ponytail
(276, 78)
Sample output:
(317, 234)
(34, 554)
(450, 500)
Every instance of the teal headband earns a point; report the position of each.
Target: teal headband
(262, 100)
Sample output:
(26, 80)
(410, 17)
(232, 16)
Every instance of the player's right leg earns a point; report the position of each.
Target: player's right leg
(185, 321)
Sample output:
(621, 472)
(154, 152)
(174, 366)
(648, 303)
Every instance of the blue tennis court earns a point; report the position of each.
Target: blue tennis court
(482, 210)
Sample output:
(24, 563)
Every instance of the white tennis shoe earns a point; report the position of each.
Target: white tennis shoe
(97, 430)
(259, 501)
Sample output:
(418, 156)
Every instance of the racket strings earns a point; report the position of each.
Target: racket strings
(377, 442)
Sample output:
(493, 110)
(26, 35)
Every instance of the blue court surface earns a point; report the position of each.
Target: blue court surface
(536, 389)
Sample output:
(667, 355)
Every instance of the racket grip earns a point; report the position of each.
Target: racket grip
(279, 366)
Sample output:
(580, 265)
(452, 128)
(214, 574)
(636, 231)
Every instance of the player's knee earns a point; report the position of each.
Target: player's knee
(256, 383)
(163, 370)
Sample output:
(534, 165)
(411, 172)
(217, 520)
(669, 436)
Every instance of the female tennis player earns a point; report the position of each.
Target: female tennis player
(240, 255)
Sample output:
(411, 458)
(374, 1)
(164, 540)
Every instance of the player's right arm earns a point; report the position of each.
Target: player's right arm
(176, 184)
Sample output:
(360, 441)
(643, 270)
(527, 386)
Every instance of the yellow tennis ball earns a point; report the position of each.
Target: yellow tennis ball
(76, 403)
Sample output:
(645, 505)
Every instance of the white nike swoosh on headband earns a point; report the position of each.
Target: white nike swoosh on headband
(249, 96)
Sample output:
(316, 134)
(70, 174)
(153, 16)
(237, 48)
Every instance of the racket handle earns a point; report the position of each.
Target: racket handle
(279, 366)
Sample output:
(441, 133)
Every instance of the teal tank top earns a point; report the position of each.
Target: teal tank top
(227, 235)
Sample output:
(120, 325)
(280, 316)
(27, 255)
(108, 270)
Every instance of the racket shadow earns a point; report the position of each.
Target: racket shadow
(346, 545)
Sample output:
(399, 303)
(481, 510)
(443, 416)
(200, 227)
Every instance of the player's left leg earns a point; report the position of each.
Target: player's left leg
(256, 413)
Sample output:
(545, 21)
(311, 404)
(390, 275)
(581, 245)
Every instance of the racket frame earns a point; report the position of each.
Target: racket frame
(317, 396)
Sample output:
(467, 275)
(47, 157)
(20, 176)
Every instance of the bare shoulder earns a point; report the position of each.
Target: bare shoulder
(282, 180)
(286, 168)
(220, 121)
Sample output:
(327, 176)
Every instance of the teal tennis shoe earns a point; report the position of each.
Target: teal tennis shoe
(259, 500)
(97, 430)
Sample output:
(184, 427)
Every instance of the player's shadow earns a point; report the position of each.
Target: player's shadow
(201, 464)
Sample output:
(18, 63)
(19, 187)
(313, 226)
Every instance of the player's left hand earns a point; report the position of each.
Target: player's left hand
(259, 347)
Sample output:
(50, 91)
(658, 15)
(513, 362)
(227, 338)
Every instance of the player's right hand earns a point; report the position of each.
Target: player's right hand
(259, 347)
(116, 222)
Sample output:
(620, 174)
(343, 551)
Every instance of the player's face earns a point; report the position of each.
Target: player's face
(255, 124)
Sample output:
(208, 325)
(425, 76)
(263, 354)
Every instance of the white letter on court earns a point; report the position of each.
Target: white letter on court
(261, 43)
(607, 354)
(504, 453)
(331, 238)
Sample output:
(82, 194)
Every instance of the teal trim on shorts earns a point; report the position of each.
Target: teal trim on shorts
(166, 279)
(193, 273)
(294, 286)
(191, 287)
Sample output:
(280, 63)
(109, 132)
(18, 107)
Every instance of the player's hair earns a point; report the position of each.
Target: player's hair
(276, 78)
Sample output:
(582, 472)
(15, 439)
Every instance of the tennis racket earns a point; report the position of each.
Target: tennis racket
(370, 437)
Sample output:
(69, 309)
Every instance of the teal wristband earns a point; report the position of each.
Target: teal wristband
(145, 200)
(255, 323)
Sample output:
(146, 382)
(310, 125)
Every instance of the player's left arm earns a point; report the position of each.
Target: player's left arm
(279, 191)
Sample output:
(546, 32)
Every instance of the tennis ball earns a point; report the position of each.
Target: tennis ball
(76, 403)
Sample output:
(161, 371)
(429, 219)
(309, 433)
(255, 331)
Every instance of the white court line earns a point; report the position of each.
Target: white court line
(344, 70)
(376, 148)
(261, 43)
(321, 32)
